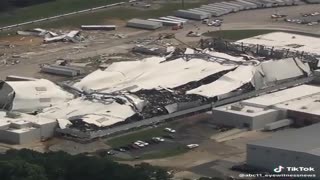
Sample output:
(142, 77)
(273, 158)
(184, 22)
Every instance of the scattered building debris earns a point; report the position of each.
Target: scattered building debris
(72, 36)
(37, 32)
(193, 34)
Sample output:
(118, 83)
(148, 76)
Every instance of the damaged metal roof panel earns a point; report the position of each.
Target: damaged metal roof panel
(89, 111)
(270, 72)
(151, 73)
(54, 39)
(227, 83)
(34, 95)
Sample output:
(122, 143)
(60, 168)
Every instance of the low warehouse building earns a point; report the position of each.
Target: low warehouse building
(24, 129)
(304, 111)
(297, 148)
(245, 116)
(297, 103)
(144, 24)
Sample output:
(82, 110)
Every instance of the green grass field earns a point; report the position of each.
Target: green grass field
(65, 6)
(115, 13)
(49, 9)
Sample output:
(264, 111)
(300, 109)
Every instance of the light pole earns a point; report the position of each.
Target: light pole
(182, 3)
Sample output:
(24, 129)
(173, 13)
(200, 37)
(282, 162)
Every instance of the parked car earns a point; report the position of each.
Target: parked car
(158, 139)
(170, 130)
(139, 144)
(192, 146)
(142, 142)
(111, 153)
(120, 149)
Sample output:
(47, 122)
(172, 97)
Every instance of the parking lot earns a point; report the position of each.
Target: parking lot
(310, 19)
(192, 131)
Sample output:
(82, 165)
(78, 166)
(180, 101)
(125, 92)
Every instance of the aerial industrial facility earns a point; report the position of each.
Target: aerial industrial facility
(262, 89)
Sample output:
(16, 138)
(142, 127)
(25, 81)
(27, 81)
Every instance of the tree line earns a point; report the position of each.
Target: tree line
(7, 4)
(30, 165)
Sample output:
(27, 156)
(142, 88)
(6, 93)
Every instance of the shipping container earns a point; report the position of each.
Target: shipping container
(144, 24)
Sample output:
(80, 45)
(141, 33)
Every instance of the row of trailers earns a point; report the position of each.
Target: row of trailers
(155, 23)
(222, 8)
(206, 11)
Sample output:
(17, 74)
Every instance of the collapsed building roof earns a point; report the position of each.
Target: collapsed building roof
(30, 96)
(226, 83)
(270, 72)
(99, 111)
(150, 73)
(290, 41)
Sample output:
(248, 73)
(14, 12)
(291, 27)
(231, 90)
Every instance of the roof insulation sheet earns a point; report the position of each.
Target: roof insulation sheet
(149, 73)
(227, 83)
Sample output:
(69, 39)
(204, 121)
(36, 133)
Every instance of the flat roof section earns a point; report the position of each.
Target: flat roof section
(282, 96)
(290, 41)
(310, 104)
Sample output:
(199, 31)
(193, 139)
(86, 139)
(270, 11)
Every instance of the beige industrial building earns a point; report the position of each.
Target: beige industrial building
(243, 116)
(24, 129)
(298, 103)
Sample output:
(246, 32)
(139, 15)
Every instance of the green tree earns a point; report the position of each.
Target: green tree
(21, 170)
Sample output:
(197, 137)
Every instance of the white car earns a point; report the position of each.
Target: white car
(170, 130)
(142, 142)
(191, 146)
(158, 139)
(139, 144)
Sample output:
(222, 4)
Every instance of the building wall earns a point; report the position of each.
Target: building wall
(229, 118)
(260, 121)
(270, 158)
(9, 137)
(47, 130)
(239, 120)
(20, 138)
(29, 136)
(303, 118)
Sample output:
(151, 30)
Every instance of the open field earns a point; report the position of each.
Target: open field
(100, 16)
(116, 15)
(48, 9)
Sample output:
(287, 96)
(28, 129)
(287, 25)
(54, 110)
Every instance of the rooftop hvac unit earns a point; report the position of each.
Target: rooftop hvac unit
(236, 107)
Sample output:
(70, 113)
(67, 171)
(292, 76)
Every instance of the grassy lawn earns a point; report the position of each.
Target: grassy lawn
(64, 6)
(237, 34)
(166, 153)
(115, 13)
(141, 135)
(49, 9)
